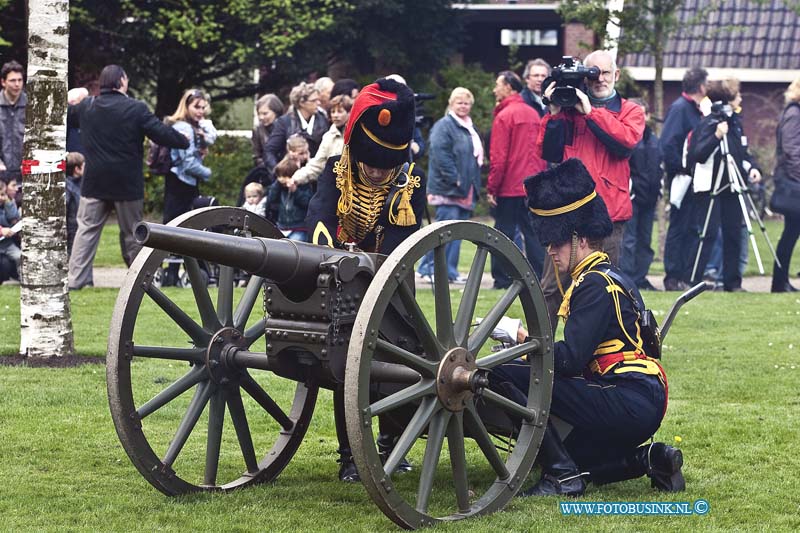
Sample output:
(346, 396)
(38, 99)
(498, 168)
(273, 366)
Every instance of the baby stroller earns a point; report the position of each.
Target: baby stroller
(172, 272)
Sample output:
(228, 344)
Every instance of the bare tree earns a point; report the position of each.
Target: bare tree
(45, 322)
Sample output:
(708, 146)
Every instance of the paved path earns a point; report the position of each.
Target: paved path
(113, 277)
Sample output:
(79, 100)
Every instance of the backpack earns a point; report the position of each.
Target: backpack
(159, 160)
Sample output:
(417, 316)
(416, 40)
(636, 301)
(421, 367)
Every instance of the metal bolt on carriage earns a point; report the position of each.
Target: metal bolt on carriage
(315, 317)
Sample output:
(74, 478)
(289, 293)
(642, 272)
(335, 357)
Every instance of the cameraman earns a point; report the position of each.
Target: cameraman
(711, 177)
(601, 130)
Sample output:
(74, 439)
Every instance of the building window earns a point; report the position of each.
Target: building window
(520, 37)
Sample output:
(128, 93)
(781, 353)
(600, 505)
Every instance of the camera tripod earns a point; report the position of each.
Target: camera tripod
(738, 186)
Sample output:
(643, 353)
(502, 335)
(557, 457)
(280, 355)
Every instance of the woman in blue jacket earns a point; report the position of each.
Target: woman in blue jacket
(454, 173)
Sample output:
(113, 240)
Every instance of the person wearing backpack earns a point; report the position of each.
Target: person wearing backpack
(113, 127)
(637, 254)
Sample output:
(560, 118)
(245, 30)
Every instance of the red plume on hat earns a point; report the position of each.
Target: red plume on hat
(381, 124)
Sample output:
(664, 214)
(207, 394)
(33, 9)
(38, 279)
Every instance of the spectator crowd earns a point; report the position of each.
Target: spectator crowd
(702, 159)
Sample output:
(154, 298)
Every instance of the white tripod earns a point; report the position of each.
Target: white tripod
(738, 186)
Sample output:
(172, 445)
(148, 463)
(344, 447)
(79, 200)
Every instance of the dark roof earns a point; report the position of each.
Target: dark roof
(736, 34)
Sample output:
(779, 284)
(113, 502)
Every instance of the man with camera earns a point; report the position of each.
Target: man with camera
(589, 121)
(723, 178)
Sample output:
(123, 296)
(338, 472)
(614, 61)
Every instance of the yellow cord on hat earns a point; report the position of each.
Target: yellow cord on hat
(377, 140)
(565, 209)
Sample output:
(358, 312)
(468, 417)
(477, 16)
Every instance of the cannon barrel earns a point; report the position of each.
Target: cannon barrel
(283, 261)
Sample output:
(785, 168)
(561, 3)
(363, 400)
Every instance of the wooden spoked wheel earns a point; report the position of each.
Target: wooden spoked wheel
(468, 455)
(178, 362)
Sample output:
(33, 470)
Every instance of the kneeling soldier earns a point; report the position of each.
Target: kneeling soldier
(610, 394)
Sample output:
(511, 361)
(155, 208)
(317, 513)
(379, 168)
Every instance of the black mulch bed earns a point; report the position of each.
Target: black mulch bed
(51, 362)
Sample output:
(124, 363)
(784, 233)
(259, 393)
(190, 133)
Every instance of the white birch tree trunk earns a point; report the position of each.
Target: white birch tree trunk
(45, 322)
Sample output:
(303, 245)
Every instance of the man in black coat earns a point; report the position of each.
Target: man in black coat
(113, 127)
(683, 115)
(637, 254)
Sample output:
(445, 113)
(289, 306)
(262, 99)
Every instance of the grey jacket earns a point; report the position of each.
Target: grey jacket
(788, 145)
(12, 131)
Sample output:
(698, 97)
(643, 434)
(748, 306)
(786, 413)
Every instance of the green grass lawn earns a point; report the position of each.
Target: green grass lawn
(733, 362)
(108, 252)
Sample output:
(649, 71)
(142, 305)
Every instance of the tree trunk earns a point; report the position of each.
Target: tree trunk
(45, 322)
(168, 87)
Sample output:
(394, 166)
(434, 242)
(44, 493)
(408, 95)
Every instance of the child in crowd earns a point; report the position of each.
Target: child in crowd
(9, 252)
(290, 204)
(12, 191)
(75, 164)
(254, 199)
(297, 150)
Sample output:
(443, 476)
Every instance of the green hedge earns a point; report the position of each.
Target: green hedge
(230, 159)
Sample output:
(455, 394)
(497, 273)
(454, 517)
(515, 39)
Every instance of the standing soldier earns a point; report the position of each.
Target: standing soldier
(370, 198)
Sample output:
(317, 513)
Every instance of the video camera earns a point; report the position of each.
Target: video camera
(421, 120)
(721, 110)
(569, 75)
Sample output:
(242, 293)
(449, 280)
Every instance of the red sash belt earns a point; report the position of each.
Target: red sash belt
(603, 364)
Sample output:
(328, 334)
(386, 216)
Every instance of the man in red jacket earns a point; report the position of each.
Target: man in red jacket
(512, 159)
(601, 130)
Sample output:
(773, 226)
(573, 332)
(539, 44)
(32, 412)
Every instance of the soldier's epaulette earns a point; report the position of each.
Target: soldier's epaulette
(583, 275)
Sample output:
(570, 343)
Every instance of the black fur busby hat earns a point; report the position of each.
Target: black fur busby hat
(381, 124)
(563, 201)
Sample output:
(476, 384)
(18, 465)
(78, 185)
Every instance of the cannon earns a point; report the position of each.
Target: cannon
(327, 318)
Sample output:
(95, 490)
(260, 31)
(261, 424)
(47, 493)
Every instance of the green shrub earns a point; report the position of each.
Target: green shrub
(474, 78)
(230, 159)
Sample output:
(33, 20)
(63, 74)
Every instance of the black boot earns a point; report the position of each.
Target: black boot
(386, 444)
(782, 287)
(663, 466)
(347, 469)
(660, 462)
(560, 474)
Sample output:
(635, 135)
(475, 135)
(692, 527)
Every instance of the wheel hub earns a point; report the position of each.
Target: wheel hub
(221, 350)
(457, 379)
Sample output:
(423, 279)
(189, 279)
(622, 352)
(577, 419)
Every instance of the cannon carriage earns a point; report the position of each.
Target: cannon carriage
(327, 318)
